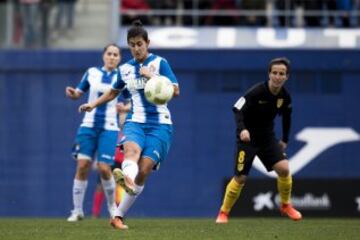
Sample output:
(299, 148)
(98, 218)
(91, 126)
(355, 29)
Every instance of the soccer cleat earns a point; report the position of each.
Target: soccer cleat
(75, 217)
(118, 223)
(124, 181)
(222, 217)
(290, 211)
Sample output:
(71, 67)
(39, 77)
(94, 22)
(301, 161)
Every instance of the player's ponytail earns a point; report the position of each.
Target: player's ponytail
(137, 30)
(137, 23)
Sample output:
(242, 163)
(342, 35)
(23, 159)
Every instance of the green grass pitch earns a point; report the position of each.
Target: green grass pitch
(180, 229)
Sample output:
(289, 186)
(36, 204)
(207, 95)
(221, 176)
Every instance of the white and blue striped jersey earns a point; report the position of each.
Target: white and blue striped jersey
(141, 110)
(97, 81)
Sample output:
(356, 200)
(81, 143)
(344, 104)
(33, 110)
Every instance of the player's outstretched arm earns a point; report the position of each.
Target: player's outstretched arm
(72, 93)
(106, 97)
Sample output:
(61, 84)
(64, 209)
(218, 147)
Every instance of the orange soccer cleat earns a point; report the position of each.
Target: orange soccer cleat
(290, 211)
(222, 217)
(118, 223)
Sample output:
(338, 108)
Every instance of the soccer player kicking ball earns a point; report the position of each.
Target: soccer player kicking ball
(148, 127)
(254, 114)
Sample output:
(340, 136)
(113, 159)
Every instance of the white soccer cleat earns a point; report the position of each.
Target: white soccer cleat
(75, 216)
(124, 181)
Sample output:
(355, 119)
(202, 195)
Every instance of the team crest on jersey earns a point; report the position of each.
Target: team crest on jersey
(279, 102)
(152, 68)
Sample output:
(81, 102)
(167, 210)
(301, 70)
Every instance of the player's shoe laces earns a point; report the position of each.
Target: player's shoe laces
(118, 223)
(124, 181)
(222, 217)
(290, 211)
(75, 216)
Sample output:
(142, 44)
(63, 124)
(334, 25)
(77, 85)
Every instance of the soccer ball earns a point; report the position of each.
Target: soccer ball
(159, 90)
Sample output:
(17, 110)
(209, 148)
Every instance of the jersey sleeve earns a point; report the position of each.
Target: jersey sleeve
(240, 108)
(238, 113)
(165, 70)
(84, 84)
(119, 84)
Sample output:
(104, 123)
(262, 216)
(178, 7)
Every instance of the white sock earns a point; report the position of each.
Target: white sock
(128, 201)
(109, 190)
(130, 168)
(79, 189)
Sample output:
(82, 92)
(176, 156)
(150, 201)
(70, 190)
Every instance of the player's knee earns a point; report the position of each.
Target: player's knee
(82, 172)
(283, 172)
(131, 150)
(105, 171)
(282, 168)
(132, 153)
(240, 179)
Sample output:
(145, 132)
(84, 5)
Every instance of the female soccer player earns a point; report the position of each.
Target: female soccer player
(255, 113)
(99, 194)
(148, 128)
(98, 131)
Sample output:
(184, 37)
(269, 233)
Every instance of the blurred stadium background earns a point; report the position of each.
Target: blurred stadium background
(217, 48)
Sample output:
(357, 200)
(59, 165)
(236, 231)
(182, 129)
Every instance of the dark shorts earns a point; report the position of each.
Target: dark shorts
(269, 152)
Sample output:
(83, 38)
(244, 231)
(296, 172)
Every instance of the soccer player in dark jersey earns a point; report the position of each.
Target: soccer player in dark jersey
(254, 114)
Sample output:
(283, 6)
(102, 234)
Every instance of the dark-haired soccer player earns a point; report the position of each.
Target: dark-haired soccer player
(148, 128)
(254, 114)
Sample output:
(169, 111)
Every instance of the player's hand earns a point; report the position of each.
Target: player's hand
(245, 135)
(121, 107)
(145, 71)
(283, 145)
(87, 107)
(71, 93)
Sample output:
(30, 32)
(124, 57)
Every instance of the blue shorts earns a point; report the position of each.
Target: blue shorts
(153, 139)
(96, 140)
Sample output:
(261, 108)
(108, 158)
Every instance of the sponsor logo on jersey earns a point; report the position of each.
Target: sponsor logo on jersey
(152, 68)
(135, 84)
